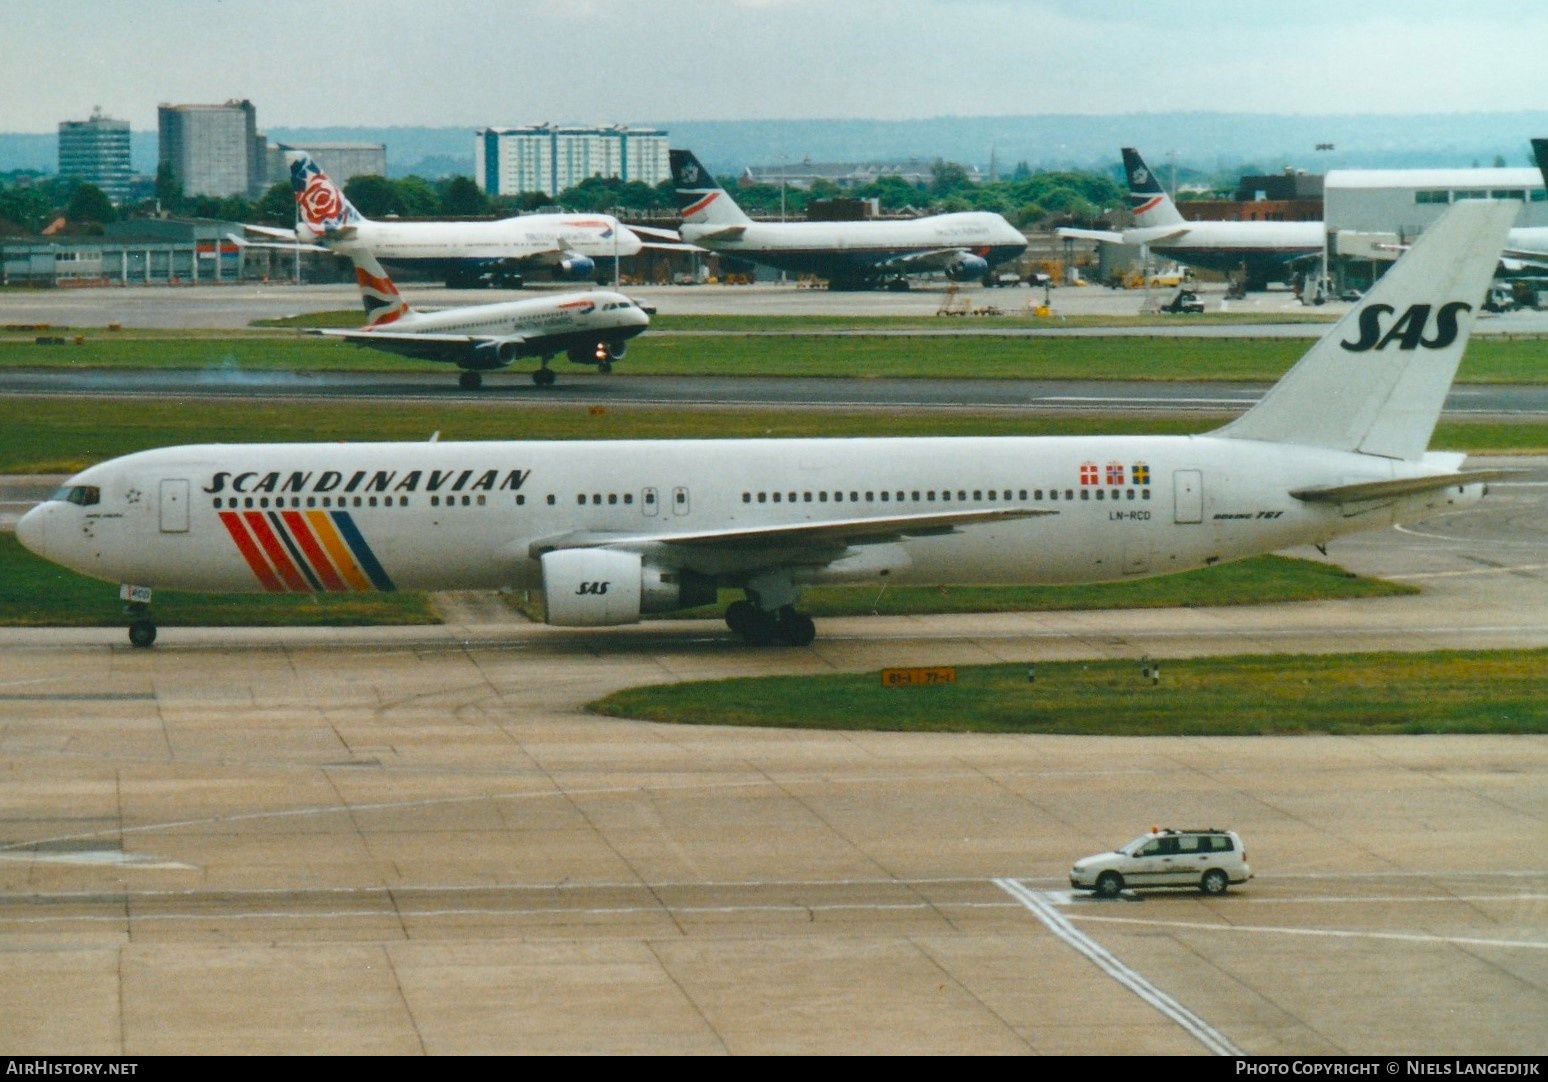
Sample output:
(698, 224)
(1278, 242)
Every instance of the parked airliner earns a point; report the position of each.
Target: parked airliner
(607, 531)
(566, 247)
(593, 327)
(850, 255)
(1256, 251)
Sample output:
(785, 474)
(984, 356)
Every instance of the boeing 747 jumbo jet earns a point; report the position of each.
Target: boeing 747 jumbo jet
(590, 328)
(1258, 251)
(567, 247)
(609, 530)
(850, 255)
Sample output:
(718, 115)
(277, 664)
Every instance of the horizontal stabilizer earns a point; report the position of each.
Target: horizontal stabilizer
(1106, 236)
(1406, 486)
(730, 232)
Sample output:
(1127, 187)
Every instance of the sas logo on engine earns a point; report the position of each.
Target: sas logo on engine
(593, 589)
(1408, 329)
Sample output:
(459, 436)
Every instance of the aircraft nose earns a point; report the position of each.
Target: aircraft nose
(30, 529)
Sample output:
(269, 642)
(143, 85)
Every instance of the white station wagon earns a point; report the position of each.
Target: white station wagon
(1210, 860)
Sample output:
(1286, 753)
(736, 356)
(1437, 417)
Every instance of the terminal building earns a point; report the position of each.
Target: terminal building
(1372, 215)
(97, 151)
(549, 158)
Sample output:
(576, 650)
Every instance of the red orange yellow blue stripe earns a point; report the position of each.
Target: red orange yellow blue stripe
(318, 552)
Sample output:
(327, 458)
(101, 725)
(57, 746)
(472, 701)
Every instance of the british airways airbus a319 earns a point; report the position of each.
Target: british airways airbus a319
(593, 327)
(607, 531)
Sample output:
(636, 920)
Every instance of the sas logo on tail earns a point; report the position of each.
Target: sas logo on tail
(1408, 329)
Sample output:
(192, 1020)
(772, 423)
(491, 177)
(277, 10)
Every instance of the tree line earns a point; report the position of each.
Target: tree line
(1028, 198)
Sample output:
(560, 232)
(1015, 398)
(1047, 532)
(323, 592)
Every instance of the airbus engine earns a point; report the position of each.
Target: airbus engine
(967, 267)
(575, 268)
(596, 354)
(604, 587)
(498, 354)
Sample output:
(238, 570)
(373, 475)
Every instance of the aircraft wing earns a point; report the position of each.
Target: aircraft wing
(1519, 259)
(1365, 491)
(426, 347)
(821, 541)
(929, 259)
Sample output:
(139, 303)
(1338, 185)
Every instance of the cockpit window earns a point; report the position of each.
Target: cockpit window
(84, 495)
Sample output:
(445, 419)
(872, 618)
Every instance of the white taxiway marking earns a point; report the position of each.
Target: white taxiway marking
(1041, 907)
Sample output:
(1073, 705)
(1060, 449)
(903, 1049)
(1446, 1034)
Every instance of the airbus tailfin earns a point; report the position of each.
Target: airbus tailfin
(700, 198)
(1375, 383)
(323, 211)
(1148, 201)
(383, 303)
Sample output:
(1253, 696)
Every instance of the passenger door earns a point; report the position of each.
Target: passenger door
(174, 505)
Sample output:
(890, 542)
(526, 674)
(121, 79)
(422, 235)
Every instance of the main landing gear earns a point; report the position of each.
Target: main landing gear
(544, 376)
(142, 629)
(761, 627)
(470, 381)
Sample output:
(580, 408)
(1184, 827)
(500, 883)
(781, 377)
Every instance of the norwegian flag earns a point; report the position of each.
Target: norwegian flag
(1115, 473)
(1089, 474)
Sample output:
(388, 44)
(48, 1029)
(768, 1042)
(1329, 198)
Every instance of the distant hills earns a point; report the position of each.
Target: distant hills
(1208, 142)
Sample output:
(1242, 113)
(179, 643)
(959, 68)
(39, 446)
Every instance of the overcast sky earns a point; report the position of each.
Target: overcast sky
(316, 63)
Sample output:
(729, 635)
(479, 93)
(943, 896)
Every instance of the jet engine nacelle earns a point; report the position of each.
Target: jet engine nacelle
(604, 587)
(497, 354)
(575, 268)
(597, 353)
(965, 268)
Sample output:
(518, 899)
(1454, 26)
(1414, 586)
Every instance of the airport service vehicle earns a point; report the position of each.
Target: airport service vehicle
(593, 327)
(1210, 860)
(565, 247)
(850, 255)
(1257, 251)
(1184, 302)
(607, 531)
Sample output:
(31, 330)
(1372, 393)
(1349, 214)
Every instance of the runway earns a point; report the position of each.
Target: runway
(416, 841)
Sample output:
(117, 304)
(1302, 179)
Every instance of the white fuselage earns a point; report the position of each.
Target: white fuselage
(1288, 238)
(596, 312)
(520, 239)
(431, 516)
(817, 246)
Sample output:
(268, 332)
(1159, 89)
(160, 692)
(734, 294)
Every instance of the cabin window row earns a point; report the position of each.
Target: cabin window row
(960, 495)
(298, 502)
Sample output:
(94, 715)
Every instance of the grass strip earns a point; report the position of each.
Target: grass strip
(1462, 692)
(957, 356)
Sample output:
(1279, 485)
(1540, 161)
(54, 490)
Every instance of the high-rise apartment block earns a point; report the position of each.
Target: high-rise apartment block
(214, 149)
(96, 151)
(549, 158)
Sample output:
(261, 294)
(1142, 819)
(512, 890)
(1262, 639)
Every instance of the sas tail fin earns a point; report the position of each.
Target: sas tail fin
(383, 303)
(1377, 381)
(700, 197)
(1540, 151)
(323, 212)
(1148, 201)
